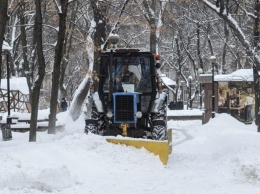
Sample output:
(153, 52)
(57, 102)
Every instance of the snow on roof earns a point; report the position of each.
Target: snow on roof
(239, 75)
(18, 83)
(167, 80)
(6, 46)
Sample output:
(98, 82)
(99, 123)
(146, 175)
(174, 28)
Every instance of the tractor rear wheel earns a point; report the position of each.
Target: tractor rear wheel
(159, 131)
(159, 123)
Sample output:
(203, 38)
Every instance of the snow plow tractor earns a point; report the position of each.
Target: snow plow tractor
(129, 105)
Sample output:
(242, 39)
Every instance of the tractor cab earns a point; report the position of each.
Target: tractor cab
(129, 72)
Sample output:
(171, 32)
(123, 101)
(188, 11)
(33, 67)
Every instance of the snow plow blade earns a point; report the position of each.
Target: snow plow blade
(160, 148)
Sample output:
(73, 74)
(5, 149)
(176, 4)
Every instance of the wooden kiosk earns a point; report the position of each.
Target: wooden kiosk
(234, 95)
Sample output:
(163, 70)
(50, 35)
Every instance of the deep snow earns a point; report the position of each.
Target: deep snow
(222, 156)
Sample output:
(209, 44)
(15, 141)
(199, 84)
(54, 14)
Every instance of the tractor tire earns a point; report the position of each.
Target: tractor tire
(96, 124)
(91, 126)
(159, 131)
(159, 123)
(100, 117)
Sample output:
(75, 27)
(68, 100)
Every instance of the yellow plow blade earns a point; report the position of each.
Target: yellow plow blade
(160, 148)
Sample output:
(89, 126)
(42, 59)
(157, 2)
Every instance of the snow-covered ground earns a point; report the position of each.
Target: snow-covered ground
(193, 112)
(220, 157)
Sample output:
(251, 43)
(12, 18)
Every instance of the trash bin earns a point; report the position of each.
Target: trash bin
(7, 134)
(171, 105)
(179, 105)
(176, 105)
(6, 129)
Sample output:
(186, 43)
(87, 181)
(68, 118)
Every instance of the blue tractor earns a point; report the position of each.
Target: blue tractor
(129, 100)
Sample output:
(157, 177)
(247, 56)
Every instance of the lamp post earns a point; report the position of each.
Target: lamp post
(8, 83)
(200, 71)
(213, 61)
(190, 79)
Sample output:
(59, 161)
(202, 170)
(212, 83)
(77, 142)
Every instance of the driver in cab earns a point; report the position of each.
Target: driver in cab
(127, 76)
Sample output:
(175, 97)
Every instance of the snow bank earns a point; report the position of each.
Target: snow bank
(223, 153)
(222, 156)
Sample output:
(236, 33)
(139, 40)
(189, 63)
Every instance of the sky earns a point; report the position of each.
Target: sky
(220, 157)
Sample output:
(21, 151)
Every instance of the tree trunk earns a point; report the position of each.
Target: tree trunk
(57, 64)
(225, 48)
(35, 95)
(23, 37)
(256, 67)
(67, 49)
(198, 48)
(209, 40)
(3, 20)
(153, 11)
(153, 40)
(99, 10)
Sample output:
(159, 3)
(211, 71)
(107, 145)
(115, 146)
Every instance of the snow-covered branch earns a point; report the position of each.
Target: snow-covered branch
(232, 23)
(58, 7)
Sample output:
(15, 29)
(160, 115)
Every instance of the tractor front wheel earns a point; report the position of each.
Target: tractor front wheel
(91, 126)
(96, 124)
(159, 131)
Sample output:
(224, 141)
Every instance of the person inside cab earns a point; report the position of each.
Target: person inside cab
(128, 77)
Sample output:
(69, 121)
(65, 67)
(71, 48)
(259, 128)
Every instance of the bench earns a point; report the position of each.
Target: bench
(21, 127)
(21, 123)
(184, 117)
(41, 127)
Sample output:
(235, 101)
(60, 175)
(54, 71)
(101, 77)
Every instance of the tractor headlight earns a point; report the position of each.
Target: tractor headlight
(109, 114)
(139, 114)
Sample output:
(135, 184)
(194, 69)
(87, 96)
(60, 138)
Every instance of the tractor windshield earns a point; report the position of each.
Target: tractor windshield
(129, 74)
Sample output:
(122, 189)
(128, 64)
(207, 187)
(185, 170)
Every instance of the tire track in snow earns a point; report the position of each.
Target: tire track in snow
(185, 136)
